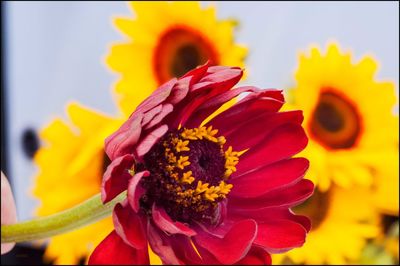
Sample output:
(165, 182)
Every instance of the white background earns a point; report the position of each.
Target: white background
(55, 53)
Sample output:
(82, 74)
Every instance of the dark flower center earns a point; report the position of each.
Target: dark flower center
(335, 121)
(189, 174)
(187, 57)
(179, 50)
(316, 208)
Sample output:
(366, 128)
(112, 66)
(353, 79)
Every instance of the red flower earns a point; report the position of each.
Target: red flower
(214, 194)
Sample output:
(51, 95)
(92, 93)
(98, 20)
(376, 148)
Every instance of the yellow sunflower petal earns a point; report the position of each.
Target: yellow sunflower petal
(72, 160)
(342, 221)
(347, 114)
(185, 35)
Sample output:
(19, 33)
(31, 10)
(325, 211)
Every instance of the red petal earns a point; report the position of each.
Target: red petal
(209, 107)
(135, 191)
(197, 73)
(157, 97)
(116, 177)
(283, 198)
(256, 256)
(183, 248)
(253, 131)
(257, 103)
(179, 91)
(149, 115)
(221, 78)
(269, 214)
(280, 236)
(281, 143)
(124, 218)
(113, 250)
(165, 223)
(233, 246)
(209, 86)
(124, 139)
(166, 110)
(149, 140)
(277, 175)
(161, 245)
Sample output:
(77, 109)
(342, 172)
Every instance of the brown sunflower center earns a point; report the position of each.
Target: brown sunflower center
(315, 208)
(335, 121)
(179, 50)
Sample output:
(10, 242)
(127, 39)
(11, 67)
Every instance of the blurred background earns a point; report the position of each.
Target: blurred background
(54, 53)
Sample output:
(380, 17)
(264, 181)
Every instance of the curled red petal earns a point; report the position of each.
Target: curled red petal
(256, 256)
(277, 175)
(269, 214)
(184, 249)
(283, 142)
(113, 250)
(254, 130)
(157, 97)
(116, 177)
(135, 191)
(165, 223)
(125, 138)
(150, 139)
(279, 236)
(233, 246)
(166, 110)
(256, 103)
(124, 218)
(209, 107)
(161, 245)
(286, 197)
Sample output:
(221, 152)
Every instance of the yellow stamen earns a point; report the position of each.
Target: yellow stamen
(221, 140)
(224, 188)
(231, 160)
(189, 134)
(171, 157)
(211, 193)
(187, 177)
(201, 187)
(182, 162)
(182, 145)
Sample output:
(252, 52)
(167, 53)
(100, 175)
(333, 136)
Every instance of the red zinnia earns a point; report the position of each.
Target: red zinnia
(189, 197)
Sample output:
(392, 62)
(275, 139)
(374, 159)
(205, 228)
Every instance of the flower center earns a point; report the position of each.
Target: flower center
(189, 174)
(179, 50)
(315, 208)
(335, 122)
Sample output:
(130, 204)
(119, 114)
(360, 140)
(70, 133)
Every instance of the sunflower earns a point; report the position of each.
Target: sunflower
(349, 120)
(342, 220)
(165, 40)
(71, 164)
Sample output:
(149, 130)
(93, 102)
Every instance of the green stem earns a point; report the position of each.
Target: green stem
(88, 212)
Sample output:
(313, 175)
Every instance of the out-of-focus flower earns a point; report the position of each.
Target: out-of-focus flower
(75, 152)
(166, 40)
(384, 249)
(385, 190)
(349, 119)
(342, 220)
(206, 190)
(352, 150)
(71, 163)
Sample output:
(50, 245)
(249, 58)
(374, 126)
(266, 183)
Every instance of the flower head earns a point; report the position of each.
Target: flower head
(198, 186)
(349, 119)
(72, 158)
(186, 35)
